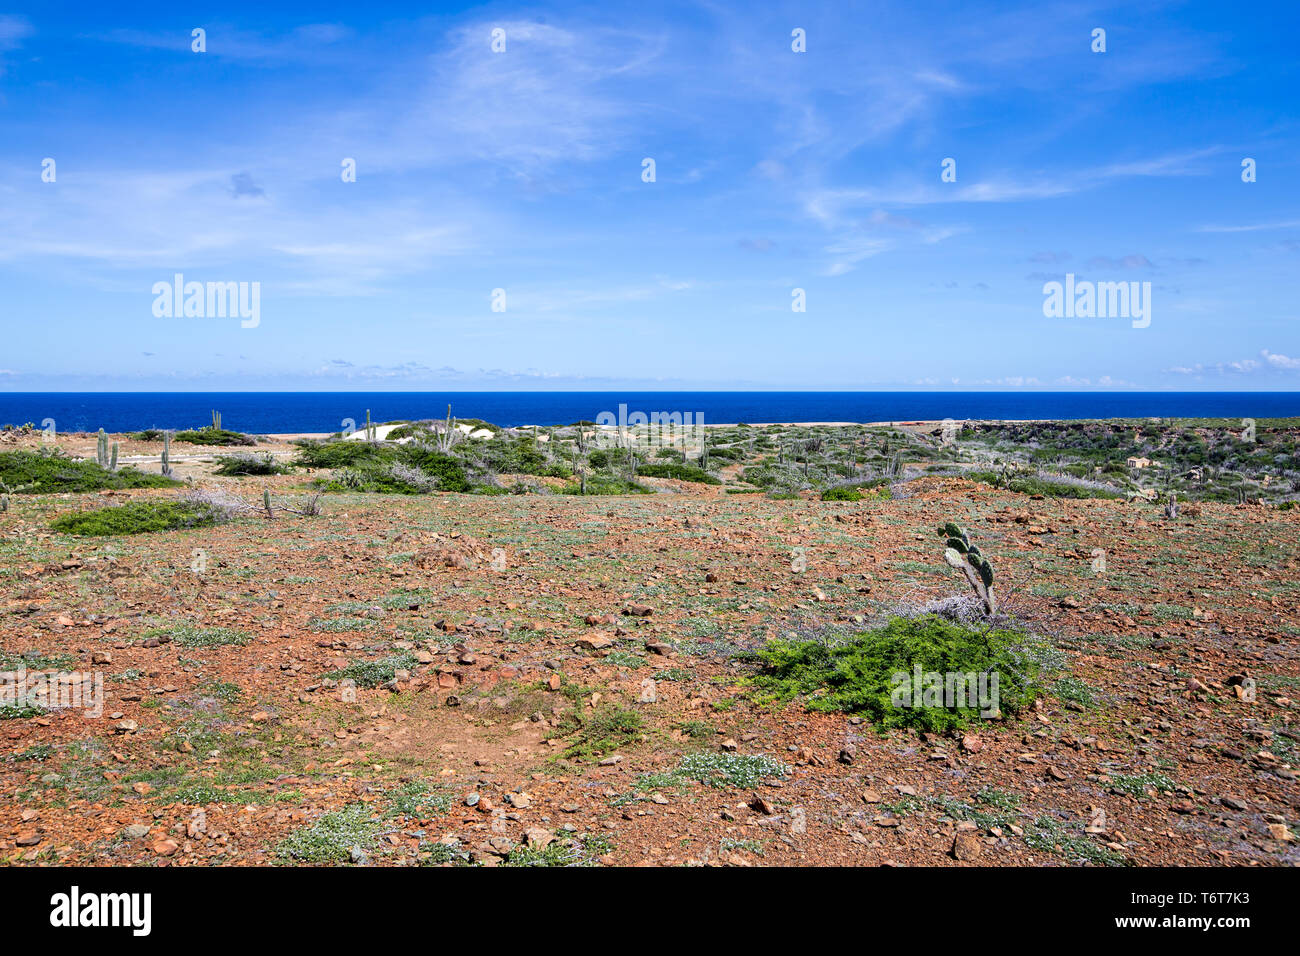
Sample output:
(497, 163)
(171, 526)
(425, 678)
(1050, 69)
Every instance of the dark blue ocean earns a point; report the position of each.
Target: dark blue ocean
(276, 412)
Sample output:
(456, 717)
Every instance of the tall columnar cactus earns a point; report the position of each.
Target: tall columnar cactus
(450, 435)
(112, 458)
(266, 502)
(101, 450)
(167, 455)
(967, 559)
(216, 420)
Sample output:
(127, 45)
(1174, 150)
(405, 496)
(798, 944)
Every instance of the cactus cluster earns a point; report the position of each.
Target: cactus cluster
(106, 454)
(371, 433)
(216, 420)
(966, 558)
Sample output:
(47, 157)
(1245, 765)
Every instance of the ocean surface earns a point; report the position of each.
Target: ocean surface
(279, 412)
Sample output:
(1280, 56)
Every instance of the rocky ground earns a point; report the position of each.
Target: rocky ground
(538, 679)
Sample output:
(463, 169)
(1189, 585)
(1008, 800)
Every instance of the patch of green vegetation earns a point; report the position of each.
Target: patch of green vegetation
(673, 674)
(730, 845)
(401, 470)
(191, 635)
(1073, 689)
(332, 838)
(43, 472)
(1053, 836)
(418, 799)
(19, 711)
(583, 850)
(250, 464)
(606, 485)
(719, 770)
(603, 731)
(625, 659)
(335, 454)
(1037, 485)
(35, 661)
(842, 493)
(679, 471)
(877, 488)
(992, 808)
(138, 517)
(873, 673)
(374, 673)
(1138, 785)
(38, 752)
(696, 728)
(444, 853)
(213, 436)
(333, 625)
(225, 691)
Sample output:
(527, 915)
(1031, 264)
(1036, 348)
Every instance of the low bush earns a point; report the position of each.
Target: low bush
(873, 673)
(137, 517)
(250, 464)
(337, 454)
(214, 436)
(1053, 486)
(679, 471)
(40, 472)
(606, 485)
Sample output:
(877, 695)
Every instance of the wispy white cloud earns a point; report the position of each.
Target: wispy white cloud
(1253, 227)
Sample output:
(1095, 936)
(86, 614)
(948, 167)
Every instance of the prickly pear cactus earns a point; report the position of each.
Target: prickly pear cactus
(959, 553)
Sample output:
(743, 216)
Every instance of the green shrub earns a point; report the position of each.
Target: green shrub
(842, 493)
(607, 485)
(39, 472)
(337, 454)
(862, 674)
(856, 491)
(246, 464)
(679, 471)
(138, 517)
(516, 456)
(1035, 485)
(449, 472)
(599, 459)
(604, 730)
(214, 436)
(410, 470)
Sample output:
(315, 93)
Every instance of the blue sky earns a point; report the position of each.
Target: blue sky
(775, 170)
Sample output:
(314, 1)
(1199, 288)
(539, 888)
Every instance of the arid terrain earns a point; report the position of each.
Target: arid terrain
(546, 678)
